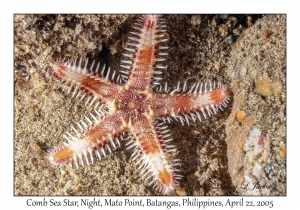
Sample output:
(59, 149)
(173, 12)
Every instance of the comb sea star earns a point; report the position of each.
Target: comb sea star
(133, 107)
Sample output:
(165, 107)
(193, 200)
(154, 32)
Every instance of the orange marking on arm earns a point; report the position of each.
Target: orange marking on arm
(145, 134)
(62, 155)
(97, 133)
(165, 177)
(104, 89)
(105, 128)
(219, 95)
(181, 102)
(148, 144)
(91, 84)
(145, 56)
(163, 103)
(150, 25)
(144, 62)
(214, 96)
(140, 75)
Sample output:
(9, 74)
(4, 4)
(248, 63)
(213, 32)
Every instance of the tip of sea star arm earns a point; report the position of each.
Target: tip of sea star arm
(164, 177)
(149, 21)
(167, 181)
(60, 156)
(75, 150)
(220, 95)
(59, 69)
(162, 172)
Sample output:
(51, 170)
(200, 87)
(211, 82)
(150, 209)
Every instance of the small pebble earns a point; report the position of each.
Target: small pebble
(223, 30)
(282, 153)
(240, 116)
(228, 40)
(196, 20)
(262, 87)
(268, 169)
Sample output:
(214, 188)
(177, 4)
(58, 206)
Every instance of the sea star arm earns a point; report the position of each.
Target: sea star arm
(90, 81)
(151, 147)
(188, 105)
(143, 68)
(90, 138)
